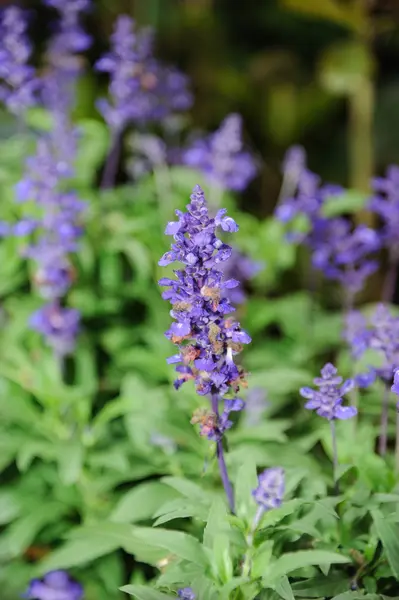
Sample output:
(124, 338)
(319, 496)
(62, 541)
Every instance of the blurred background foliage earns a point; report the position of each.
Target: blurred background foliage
(322, 73)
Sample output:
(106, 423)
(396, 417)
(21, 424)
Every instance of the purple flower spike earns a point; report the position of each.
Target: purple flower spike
(271, 487)
(186, 594)
(327, 400)
(206, 339)
(18, 85)
(58, 325)
(56, 585)
(141, 89)
(223, 160)
(395, 386)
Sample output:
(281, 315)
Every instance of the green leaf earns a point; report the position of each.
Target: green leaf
(298, 560)
(389, 536)
(181, 508)
(77, 552)
(283, 589)
(142, 592)
(349, 15)
(188, 489)
(320, 587)
(142, 502)
(70, 460)
(351, 201)
(176, 542)
(246, 481)
(232, 585)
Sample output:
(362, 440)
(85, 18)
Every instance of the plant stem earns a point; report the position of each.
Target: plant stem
(111, 163)
(246, 568)
(383, 441)
(388, 289)
(335, 455)
(221, 461)
(397, 442)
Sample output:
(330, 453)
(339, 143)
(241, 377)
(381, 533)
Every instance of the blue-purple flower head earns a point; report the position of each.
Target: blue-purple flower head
(343, 254)
(271, 487)
(141, 89)
(58, 325)
(385, 203)
(56, 585)
(70, 38)
(222, 157)
(18, 84)
(327, 399)
(395, 386)
(207, 339)
(186, 594)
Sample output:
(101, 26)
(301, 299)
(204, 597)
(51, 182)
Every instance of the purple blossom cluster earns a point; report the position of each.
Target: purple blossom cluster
(206, 338)
(70, 39)
(56, 585)
(341, 251)
(271, 487)
(395, 385)
(19, 84)
(141, 89)
(385, 203)
(222, 157)
(186, 594)
(327, 399)
(380, 334)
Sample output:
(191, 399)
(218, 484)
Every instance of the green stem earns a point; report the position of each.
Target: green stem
(246, 568)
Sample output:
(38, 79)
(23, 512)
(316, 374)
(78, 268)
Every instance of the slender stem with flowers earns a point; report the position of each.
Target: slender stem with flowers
(206, 338)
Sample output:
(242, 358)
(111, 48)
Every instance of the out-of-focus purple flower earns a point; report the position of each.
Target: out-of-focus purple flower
(141, 89)
(343, 254)
(327, 400)
(395, 386)
(186, 594)
(355, 332)
(164, 442)
(271, 487)
(58, 325)
(242, 268)
(385, 203)
(206, 338)
(222, 158)
(255, 406)
(70, 38)
(56, 585)
(19, 84)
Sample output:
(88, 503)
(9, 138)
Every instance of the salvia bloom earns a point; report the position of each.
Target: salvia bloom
(382, 335)
(343, 254)
(141, 89)
(385, 203)
(70, 39)
(395, 386)
(56, 585)
(186, 594)
(222, 158)
(206, 338)
(327, 400)
(255, 406)
(271, 487)
(18, 82)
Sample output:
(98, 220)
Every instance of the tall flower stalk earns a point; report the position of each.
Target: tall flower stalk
(141, 90)
(207, 339)
(327, 402)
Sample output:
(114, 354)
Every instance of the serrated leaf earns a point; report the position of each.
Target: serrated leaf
(246, 482)
(389, 536)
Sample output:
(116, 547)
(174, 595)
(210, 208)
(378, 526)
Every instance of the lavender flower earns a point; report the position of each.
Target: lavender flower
(327, 400)
(58, 325)
(186, 594)
(19, 84)
(70, 39)
(385, 203)
(343, 254)
(56, 585)
(395, 385)
(207, 340)
(271, 487)
(221, 156)
(141, 89)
